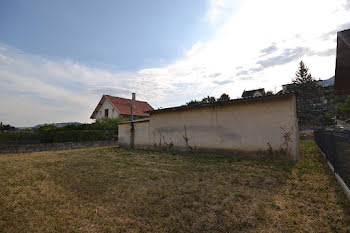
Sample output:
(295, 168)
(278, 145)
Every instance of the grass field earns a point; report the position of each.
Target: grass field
(118, 190)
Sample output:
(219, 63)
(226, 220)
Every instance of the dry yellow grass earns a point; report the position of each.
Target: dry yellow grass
(117, 190)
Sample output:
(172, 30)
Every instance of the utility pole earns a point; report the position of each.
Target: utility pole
(132, 129)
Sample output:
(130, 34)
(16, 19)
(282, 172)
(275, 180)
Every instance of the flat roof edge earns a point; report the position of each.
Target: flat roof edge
(241, 100)
(135, 121)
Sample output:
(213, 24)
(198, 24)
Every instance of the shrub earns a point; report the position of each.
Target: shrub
(50, 136)
(103, 129)
(19, 137)
(327, 119)
(73, 136)
(101, 124)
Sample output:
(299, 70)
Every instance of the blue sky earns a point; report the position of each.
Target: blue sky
(124, 35)
(58, 57)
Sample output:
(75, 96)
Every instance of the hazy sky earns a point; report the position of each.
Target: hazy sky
(57, 58)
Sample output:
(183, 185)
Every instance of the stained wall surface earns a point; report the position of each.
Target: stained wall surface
(253, 128)
(141, 135)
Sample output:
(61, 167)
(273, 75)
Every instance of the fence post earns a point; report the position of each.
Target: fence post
(334, 148)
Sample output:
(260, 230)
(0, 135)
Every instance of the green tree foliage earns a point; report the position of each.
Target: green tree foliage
(302, 76)
(327, 119)
(209, 100)
(101, 124)
(339, 105)
(74, 136)
(193, 103)
(342, 106)
(6, 127)
(310, 95)
(224, 97)
(103, 129)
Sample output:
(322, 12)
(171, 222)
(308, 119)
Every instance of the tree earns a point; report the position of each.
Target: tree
(303, 76)
(193, 103)
(343, 107)
(311, 102)
(208, 100)
(8, 127)
(224, 97)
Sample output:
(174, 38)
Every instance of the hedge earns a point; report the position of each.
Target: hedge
(73, 136)
(24, 137)
(19, 137)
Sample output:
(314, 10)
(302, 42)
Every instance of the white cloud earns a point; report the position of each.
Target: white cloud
(220, 9)
(257, 45)
(5, 59)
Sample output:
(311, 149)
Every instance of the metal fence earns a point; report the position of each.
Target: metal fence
(336, 147)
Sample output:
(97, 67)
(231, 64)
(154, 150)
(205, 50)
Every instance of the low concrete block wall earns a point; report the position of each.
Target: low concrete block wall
(4, 149)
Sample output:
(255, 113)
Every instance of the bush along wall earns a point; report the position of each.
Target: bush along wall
(19, 137)
(56, 136)
(101, 130)
(73, 136)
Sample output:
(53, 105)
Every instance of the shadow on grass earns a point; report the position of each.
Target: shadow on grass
(212, 157)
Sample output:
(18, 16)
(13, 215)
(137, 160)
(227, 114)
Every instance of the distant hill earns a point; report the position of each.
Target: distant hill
(328, 82)
(62, 124)
(66, 123)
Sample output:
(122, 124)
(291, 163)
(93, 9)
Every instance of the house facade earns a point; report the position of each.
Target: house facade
(253, 93)
(113, 107)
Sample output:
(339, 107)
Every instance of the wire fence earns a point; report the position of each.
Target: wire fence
(336, 147)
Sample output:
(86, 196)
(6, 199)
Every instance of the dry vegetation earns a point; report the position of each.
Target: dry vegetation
(117, 190)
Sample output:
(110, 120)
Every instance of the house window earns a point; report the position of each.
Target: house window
(113, 110)
(106, 112)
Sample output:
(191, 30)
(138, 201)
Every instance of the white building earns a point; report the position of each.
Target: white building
(112, 107)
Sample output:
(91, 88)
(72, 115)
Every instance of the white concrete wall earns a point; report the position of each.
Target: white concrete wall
(112, 113)
(141, 136)
(124, 134)
(247, 128)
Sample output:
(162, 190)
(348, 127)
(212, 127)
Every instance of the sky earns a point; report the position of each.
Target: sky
(57, 58)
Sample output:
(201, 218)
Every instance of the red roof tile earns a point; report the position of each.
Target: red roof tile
(123, 106)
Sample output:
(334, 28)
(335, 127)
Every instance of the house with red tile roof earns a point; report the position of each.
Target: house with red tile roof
(113, 107)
